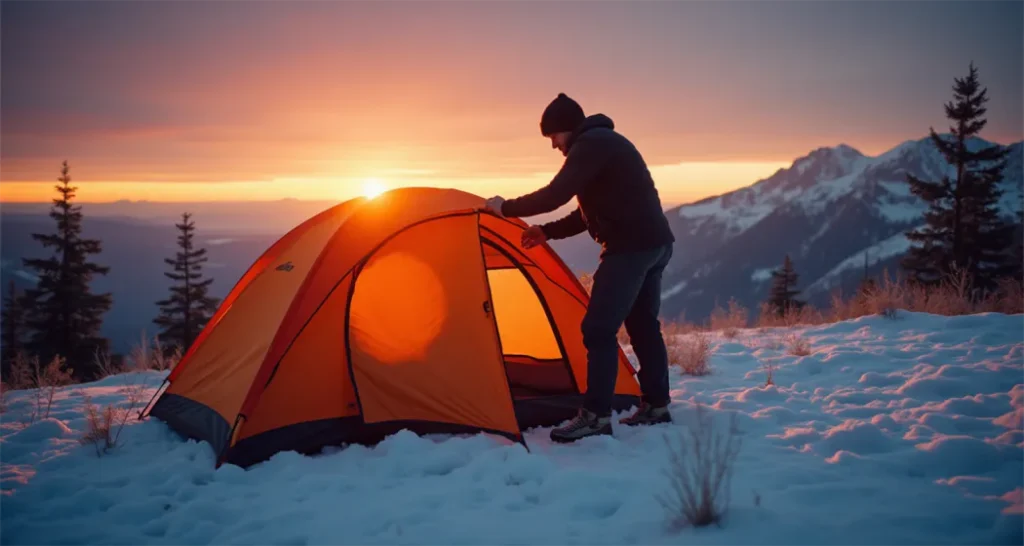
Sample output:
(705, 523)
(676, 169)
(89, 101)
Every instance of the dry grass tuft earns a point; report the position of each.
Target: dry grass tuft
(27, 373)
(730, 321)
(145, 357)
(99, 424)
(104, 426)
(700, 472)
(679, 328)
(691, 352)
(798, 345)
(769, 373)
(953, 296)
(1008, 298)
(802, 316)
(888, 295)
(21, 374)
(106, 365)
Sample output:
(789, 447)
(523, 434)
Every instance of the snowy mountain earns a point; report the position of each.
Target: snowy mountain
(832, 211)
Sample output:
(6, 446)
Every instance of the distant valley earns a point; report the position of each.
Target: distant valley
(136, 237)
(833, 211)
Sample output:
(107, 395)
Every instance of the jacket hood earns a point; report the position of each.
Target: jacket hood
(595, 121)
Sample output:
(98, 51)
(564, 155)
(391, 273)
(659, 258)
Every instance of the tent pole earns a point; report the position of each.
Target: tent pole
(156, 395)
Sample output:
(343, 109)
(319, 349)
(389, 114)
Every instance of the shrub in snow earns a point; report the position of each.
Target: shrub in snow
(104, 426)
(691, 352)
(886, 296)
(156, 357)
(769, 373)
(730, 321)
(27, 373)
(1008, 298)
(700, 471)
(769, 317)
(105, 365)
(798, 345)
(98, 427)
(678, 328)
(953, 296)
(20, 372)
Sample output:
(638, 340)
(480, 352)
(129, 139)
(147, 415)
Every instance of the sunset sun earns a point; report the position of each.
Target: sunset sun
(373, 187)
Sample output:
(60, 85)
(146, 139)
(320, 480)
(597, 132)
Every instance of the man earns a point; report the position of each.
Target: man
(619, 206)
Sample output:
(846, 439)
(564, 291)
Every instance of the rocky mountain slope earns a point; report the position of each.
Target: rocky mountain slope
(832, 211)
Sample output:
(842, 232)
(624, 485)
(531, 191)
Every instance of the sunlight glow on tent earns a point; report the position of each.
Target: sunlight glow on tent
(398, 308)
(373, 187)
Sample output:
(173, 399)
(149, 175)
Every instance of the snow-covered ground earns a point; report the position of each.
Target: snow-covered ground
(892, 431)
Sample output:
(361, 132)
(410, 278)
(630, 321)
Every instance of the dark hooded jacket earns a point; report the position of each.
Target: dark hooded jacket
(618, 203)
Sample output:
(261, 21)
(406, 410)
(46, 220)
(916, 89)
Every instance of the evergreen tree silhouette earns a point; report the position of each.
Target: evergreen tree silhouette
(1016, 267)
(184, 313)
(64, 316)
(783, 293)
(963, 231)
(13, 335)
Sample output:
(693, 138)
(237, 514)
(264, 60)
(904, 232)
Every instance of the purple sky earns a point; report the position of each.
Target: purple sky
(253, 92)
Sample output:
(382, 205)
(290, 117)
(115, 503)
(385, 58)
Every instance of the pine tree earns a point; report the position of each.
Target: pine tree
(184, 314)
(1016, 266)
(867, 284)
(13, 320)
(783, 294)
(64, 317)
(963, 231)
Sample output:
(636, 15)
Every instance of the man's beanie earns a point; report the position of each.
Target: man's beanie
(563, 114)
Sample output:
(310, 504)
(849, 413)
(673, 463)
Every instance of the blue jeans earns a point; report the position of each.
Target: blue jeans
(626, 289)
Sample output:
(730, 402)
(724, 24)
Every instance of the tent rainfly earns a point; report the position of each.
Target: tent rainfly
(417, 309)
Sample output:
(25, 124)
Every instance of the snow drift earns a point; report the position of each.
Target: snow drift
(905, 430)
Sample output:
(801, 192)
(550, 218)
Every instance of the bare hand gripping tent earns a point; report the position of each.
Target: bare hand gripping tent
(414, 310)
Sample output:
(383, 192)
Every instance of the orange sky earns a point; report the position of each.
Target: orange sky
(263, 100)
(675, 184)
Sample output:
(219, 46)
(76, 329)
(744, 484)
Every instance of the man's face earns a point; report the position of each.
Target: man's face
(560, 141)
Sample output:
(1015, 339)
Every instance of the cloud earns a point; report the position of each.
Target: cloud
(217, 91)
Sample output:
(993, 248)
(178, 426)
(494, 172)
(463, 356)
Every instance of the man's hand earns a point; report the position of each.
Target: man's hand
(494, 204)
(533, 236)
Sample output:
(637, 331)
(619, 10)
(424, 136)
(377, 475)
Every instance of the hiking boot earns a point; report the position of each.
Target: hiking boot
(647, 414)
(586, 423)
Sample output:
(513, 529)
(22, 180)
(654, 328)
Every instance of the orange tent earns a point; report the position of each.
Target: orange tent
(417, 309)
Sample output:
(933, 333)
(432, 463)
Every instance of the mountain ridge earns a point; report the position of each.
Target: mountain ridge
(830, 207)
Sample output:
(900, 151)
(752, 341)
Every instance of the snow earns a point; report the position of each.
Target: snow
(761, 275)
(701, 210)
(737, 218)
(675, 289)
(898, 188)
(823, 228)
(895, 431)
(900, 211)
(26, 275)
(826, 191)
(887, 248)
